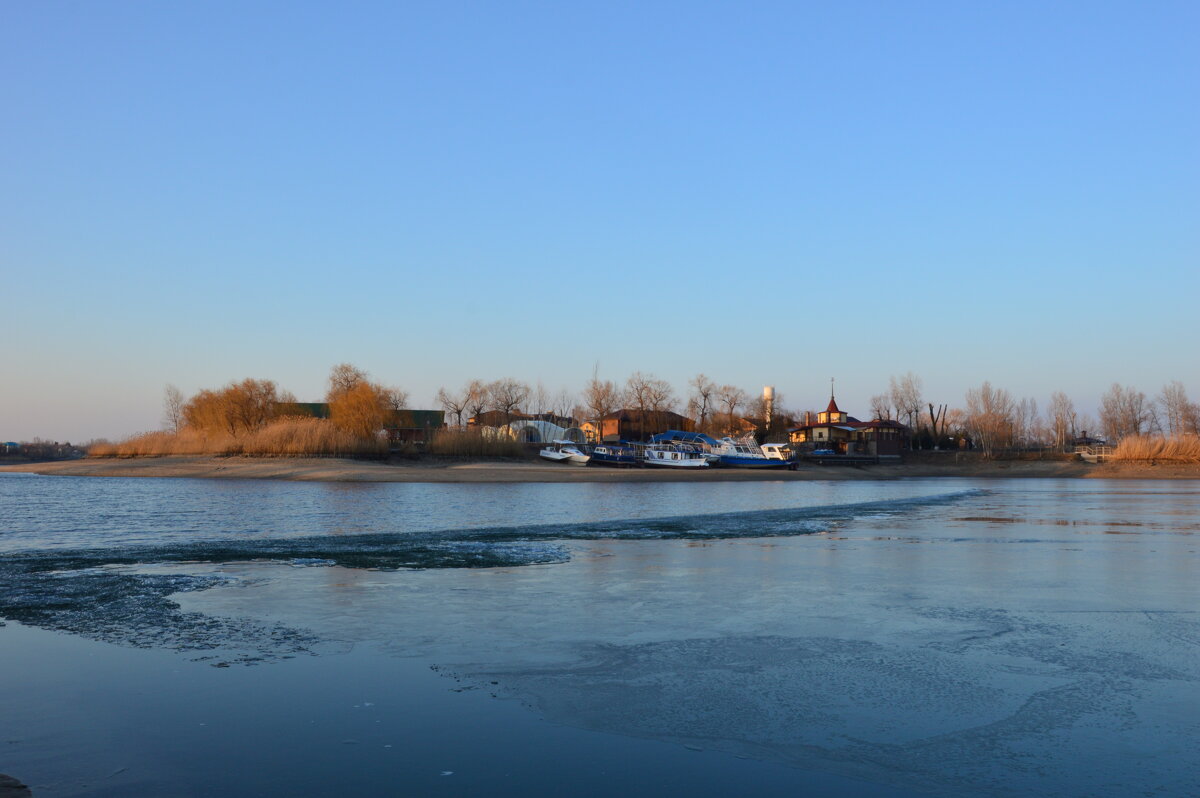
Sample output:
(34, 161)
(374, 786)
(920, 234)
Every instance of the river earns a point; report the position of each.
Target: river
(939, 637)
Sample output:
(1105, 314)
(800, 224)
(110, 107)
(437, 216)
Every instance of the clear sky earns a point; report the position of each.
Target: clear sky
(769, 193)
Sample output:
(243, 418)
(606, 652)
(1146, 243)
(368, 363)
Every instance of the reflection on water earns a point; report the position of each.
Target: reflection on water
(913, 638)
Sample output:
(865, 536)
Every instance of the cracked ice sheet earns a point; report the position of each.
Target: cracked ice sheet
(801, 651)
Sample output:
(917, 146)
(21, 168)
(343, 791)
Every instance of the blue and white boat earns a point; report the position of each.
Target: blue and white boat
(615, 454)
(669, 455)
(744, 453)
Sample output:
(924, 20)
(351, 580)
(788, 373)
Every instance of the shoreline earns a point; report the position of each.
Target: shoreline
(332, 469)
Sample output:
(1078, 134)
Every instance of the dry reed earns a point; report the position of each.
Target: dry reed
(474, 443)
(288, 437)
(1185, 449)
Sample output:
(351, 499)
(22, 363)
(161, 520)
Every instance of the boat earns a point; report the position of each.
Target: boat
(693, 441)
(778, 451)
(615, 454)
(743, 453)
(553, 454)
(670, 456)
(565, 452)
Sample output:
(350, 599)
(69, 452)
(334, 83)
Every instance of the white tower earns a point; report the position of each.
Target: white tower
(769, 403)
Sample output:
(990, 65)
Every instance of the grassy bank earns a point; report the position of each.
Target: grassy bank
(289, 437)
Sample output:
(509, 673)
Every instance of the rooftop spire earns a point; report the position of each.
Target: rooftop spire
(833, 408)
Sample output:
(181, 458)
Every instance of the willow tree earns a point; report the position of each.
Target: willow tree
(359, 406)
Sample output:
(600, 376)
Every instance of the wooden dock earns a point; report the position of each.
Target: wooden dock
(1094, 454)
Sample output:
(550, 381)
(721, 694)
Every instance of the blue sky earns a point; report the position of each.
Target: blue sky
(767, 193)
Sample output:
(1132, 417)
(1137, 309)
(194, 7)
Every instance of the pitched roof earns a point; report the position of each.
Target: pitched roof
(853, 424)
(833, 408)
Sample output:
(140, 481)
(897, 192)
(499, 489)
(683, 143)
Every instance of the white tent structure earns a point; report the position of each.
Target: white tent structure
(531, 431)
(535, 431)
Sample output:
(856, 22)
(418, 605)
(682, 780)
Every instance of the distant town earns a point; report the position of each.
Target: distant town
(505, 417)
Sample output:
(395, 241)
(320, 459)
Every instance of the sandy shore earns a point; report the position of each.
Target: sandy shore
(345, 470)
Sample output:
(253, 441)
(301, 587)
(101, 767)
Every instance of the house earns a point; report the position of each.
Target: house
(414, 426)
(1088, 440)
(634, 425)
(844, 434)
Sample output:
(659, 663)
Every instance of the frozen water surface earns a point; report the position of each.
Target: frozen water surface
(938, 637)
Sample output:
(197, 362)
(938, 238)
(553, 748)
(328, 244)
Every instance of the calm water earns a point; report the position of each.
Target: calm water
(937, 637)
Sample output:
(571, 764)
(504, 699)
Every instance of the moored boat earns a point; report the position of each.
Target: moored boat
(745, 453)
(609, 454)
(668, 456)
(565, 452)
(553, 454)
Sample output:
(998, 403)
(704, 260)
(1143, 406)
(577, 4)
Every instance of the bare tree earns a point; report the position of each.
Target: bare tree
(906, 396)
(881, 406)
(955, 425)
(1174, 402)
(563, 404)
(477, 398)
(1061, 418)
(1087, 422)
(455, 404)
(397, 398)
(539, 399)
(1025, 418)
(1125, 411)
(342, 378)
(937, 423)
(701, 399)
(989, 417)
(661, 400)
(172, 408)
(729, 399)
(601, 397)
(507, 395)
(649, 395)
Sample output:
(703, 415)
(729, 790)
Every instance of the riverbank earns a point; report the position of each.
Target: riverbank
(331, 469)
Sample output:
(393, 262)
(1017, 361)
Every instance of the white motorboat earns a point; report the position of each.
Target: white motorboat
(553, 454)
(565, 452)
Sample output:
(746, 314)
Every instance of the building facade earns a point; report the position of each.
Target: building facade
(834, 430)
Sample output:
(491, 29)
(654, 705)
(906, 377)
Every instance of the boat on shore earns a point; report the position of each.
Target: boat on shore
(615, 454)
(565, 452)
(745, 453)
(742, 453)
(668, 456)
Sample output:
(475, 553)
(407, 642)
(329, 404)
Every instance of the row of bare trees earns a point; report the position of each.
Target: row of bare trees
(714, 407)
(992, 418)
(505, 396)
